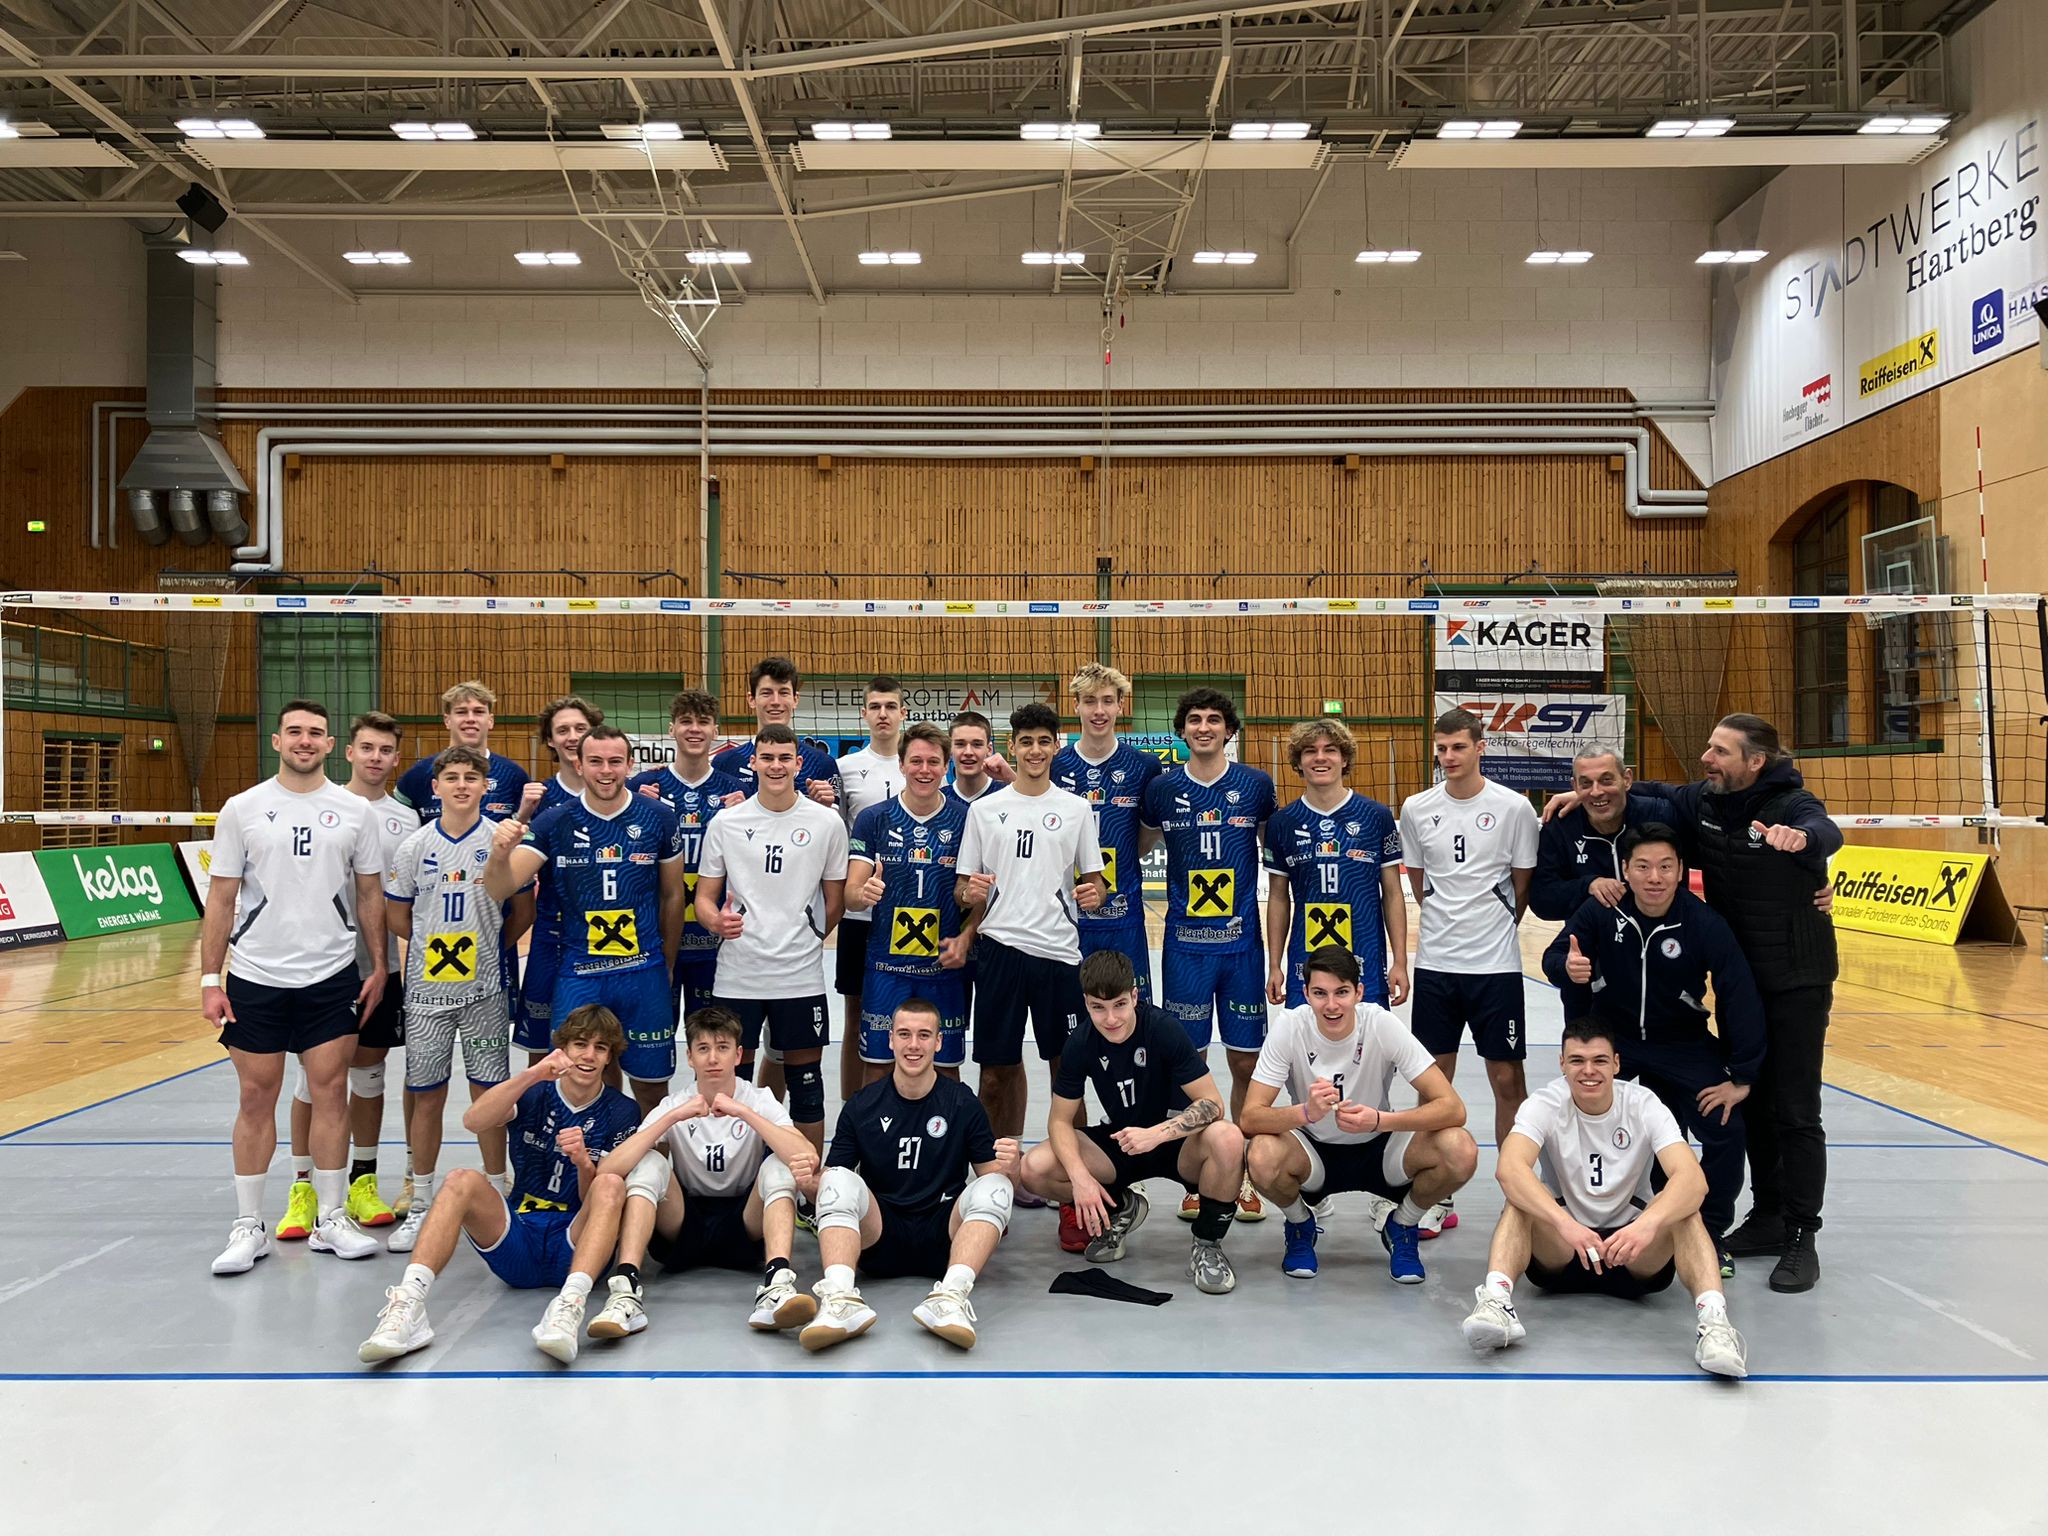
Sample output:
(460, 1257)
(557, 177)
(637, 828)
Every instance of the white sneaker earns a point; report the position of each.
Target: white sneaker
(407, 1233)
(842, 1315)
(1436, 1220)
(339, 1235)
(1377, 1207)
(779, 1305)
(247, 1242)
(1720, 1349)
(622, 1312)
(1493, 1322)
(948, 1314)
(402, 1327)
(559, 1326)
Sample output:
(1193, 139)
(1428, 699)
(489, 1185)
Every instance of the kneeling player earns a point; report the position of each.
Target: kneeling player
(564, 1216)
(1582, 1226)
(1337, 1056)
(711, 1180)
(1165, 1122)
(915, 1184)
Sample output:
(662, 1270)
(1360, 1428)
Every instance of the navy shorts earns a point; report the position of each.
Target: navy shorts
(883, 992)
(1342, 1167)
(691, 985)
(1447, 1004)
(911, 1244)
(1203, 984)
(534, 1253)
(274, 1021)
(850, 955)
(640, 997)
(533, 1021)
(793, 1023)
(1574, 1279)
(1160, 1163)
(713, 1236)
(1128, 940)
(384, 1029)
(1011, 985)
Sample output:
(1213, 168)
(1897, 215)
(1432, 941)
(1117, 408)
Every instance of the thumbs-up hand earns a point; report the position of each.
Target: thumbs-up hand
(1784, 839)
(1576, 965)
(529, 801)
(874, 888)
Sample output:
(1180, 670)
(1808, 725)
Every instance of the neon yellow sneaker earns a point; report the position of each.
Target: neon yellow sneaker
(301, 1212)
(366, 1205)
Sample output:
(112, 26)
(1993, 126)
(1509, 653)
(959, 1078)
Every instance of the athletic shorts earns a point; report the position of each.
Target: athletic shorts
(713, 1236)
(1574, 1279)
(640, 998)
(533, 1021)
(1447, 1003)
(883, 992)
(484, 1029)
(691, 986)
(1011, 985)
(850, 955)
(534, 1253)
(1343, 1167)
(271, 1021)
(1203, 983)
(1160, 1163)
(793, 1023)
(1127, 939)
(911, 1244)
(384, 1029)
(1372, 981)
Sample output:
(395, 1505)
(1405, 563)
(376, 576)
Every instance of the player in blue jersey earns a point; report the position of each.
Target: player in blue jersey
(466, 709)
(774, 687)
(899, 866)
(1336, 858)
(978, 769)
(562, 1221)
(618, 863)
(696, 791)
(563, 725)
(1112, 777)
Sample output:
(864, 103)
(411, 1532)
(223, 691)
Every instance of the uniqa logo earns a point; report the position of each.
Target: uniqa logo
(110, 882)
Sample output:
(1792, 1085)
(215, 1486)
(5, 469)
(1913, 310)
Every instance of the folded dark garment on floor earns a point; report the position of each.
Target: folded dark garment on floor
(1093, 1282)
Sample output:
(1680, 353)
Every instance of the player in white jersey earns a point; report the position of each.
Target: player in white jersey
(867, 777)
(1581, 1217)
(372, 752)
(278, 915)
(771, 883)
(455, 985)
(1470, 848)
(712, 1178)
(1030, 859)
(1337, 1056)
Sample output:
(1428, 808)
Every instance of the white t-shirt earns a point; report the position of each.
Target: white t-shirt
(1599, 1164)
(867, 778)
(1034, 845)
(395, 822)
(772, 863)
(719, 1154)
(297, 857)
(1362, 1066)
(1467, 850)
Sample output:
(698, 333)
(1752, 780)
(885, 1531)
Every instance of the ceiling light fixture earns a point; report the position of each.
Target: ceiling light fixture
(1909, 126)
(1496, 128)
(199, 258)
(639, 132)
(1374, 258)
(218, 128)
(1269, 130)
(1225, 258)
(421, 133)
(1043, 131)
(717, 257)
(1053, 258)
(1557, 258)
(376, 258)
(890, 258)
(1690, 128)
(1743, 258)
(841, 133)
(547, 258)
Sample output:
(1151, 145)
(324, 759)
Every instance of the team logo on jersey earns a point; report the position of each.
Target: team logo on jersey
(1209, 819)
(1486, 821)
(329, 819)
(1755, 836)
(1052, 821)
(611, 853)
(1117, 777)
(1138, 1056)
(393, 825)
(1232, 796)
(945, 834)
(1326, 826)
(633, 831)
(936, 1126)
(887, 1121)
(1351, 827)
(1671, 949)
(1621, 1137)
(801, 836)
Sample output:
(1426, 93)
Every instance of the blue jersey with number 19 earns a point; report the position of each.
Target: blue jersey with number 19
(1212, 853)
(1332, 861)
(1114, 789)
(607, 870)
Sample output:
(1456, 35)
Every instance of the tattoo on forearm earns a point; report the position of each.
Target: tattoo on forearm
(1198, 1114)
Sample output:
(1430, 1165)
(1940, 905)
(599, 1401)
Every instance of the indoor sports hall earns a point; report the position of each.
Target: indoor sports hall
(435, 436)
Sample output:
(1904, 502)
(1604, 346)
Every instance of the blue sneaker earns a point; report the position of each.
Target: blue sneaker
(1404, 1247)
(1299, 1260)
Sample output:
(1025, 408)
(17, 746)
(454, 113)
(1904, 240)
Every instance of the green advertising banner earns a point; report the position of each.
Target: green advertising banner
(111, 890)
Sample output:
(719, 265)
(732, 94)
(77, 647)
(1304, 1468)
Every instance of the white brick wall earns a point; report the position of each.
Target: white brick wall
(74, 309)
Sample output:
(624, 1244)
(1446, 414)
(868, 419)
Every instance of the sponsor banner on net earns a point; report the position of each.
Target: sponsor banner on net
(112, 890)
(1521, 651)
(1909, 893)
(1531, 738)
(27, 915)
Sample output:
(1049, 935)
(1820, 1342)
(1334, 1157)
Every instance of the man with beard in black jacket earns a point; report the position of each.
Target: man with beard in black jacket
(1762, 844)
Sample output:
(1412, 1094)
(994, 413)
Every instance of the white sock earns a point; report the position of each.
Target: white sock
(959, 1277)
(423, 1190)
(330, 1188)
(577, 1285)
(418, 1279)
(1408, 1213)
(1496, 1281)
(302, 1167)
(366, 1154)
(249, 1194)
(838, 1277)
(1296, 1211)
(1712, 1307)
(503, 1180)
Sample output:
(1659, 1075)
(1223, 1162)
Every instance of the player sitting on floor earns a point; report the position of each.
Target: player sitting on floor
(1582, 1226)
(711, 1180)
(564, 1217)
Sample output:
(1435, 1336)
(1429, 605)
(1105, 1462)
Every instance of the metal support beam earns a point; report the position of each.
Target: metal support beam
(293, 255)
(263, 19)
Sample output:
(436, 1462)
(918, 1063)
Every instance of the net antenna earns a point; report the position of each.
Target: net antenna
(1679, 663)
(195, 670)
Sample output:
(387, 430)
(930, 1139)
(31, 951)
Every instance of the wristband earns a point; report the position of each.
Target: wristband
(210, 979)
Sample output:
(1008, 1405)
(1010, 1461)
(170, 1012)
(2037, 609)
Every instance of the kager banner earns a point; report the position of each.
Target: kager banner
(1883, 281)
(99, 891)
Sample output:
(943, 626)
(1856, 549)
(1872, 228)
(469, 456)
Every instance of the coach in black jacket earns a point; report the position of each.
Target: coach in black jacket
(1641, 967)
(1579, 853)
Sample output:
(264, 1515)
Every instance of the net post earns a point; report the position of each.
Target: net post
(1102, 626)
(1987, 750)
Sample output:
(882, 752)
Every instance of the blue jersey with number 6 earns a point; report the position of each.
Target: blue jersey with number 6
(607, 873)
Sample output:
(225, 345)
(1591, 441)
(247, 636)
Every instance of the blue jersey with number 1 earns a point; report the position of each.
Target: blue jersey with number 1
(1212, 853)
(607, 871)
(1114, 789)
(917, 860)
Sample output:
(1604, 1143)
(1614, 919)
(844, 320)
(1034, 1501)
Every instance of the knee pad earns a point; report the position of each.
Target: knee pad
(367, 1082)
(649, 1178)
(301, 1089)
(987, 1197)
(771, 1052)
(806, 1093)
(775, 1182)
(842, 1199)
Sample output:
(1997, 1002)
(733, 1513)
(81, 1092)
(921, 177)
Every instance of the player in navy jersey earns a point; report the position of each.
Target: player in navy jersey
(696, 791)
(1112, 777)
(1337, 856)
(563, 725)
(978, 769)
(774, 687)
(618, 863)
(900, 863)
(466, 709)
(562, 1220)
(916, 1183)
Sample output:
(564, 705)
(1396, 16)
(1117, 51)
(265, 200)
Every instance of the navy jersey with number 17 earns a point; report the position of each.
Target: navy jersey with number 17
(607, 871)
(1114, 789)
(694, 806)
(1212, 853)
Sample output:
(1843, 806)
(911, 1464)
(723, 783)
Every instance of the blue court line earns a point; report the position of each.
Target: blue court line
(2039, 1162)
(372, 1374)
(115, 1098)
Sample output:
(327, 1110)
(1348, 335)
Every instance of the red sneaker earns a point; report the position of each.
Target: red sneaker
(1073, 1236)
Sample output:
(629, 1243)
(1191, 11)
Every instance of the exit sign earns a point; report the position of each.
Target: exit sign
(1333, 706)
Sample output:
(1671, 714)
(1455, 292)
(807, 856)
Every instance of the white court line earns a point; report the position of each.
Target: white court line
(1941, 1309)
(23, 1287)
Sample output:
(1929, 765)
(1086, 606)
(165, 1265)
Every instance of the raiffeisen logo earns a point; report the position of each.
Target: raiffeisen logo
(111, 882)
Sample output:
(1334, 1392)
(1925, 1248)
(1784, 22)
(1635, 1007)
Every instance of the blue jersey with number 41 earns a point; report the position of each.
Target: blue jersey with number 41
(1212, 853)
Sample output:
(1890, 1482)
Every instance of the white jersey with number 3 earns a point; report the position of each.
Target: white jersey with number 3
(1468, 851)
(719, 1154)
(1034, 845)
(1362, 1066)
(772, 863)
(1599, 1164)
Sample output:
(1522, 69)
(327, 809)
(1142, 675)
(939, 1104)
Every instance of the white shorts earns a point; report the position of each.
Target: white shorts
(485, 1029)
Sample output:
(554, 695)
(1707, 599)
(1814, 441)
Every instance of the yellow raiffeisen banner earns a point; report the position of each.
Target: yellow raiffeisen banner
(1909, 893)
(1905, 360)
